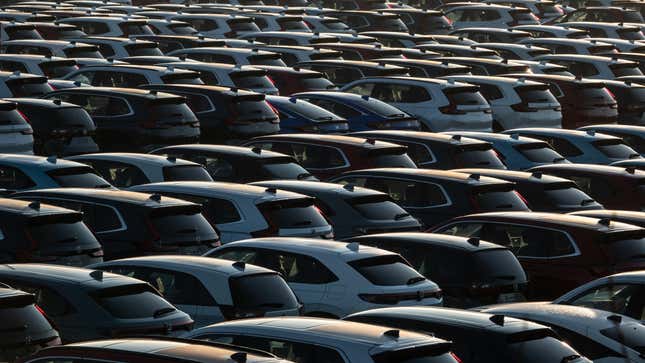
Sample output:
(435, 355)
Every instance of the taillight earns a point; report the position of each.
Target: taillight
(447, 20)
(610, 93)
(24, 117)
(457, 359)
(97, 253)
(519, 195)
(309, 25)
(275, 110)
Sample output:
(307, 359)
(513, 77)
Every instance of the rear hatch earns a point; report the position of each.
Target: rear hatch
(251, 109)
(625, 69)
(186, 173)
(315, 82)
(496, 197)
(292, 23)
(594, 95)
(567, 196)
(169, 112)
(539, 152)
(84, 51)
(179, 229)
(258, 295)
(60, 122)
(78, 177)
(535, 98)
(142, 49)
(252, 80)
(381, 208)
(615, 149)
(135, 27)
(624, 249)
(61, 239)
(285, 168)
(266, 60)
(182, 78)
(630, 33)
(464, 99)
(477, 155)
(12, 121)
(293, 217)
(390, 157)
(21, 31)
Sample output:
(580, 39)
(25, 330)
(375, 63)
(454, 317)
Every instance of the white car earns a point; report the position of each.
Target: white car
(132, 76)
(211, 290)
(601, 336)
(515, 101)
(622, 293)
(571, 46)
(439, 105)
(230, 55)
(243, 211)
(311, 340)
(598, 29)
(124, 170)
(592, 66)
(333, 279)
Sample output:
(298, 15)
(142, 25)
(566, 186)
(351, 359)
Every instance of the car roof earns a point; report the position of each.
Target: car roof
(593, 169)
(124, 196)
(229, 189)
(569, 134)
(615, 127)
(306, 186)
(223, 50)
(135, 158)
(28, 209)
(585, 57)
(185, 263)
(228, 150)
(65, 274)
(344, 250)
(159, 69)
(199, 88)
(519, 81)
(515, 176)
(447, 175)
(132, 92)
(456, 242)
(493, 136)
(43, 163)
(330, 139)
(610, 213)
(47, 103)
(418, 136)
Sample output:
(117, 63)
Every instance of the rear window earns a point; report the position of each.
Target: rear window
(253, 111)
(58, 69)
(317, 84)
(171, 111)
(262, 292)
(541, 346)
(61, 235)
(135, 28)
(78, 177)
(377, 207)
(267, 60)
(186, 173)
(535, 94)
(630, 33)
(9, 115)
(496, 265)
(615, 149)
(391, 159)
(595, 93)
(435, 353)
(625, 247)
(292, 213)
(22, 32)
(390, 270)
(143, 49)
(183, 29)
(391, 24)
(243, 25)
(182, 78)
(464, 96)
(182, 226)
(83, 52)
(630, 334)
(477, 156)
(285, 170)
(310, 111)
(22, 323)
(526, 17)
(293, 24)
(333, 24)
(566, 195)
(134, 301)
(625, 69)
(251, 80)
(29, 87)
(497, 197)
(539, 152)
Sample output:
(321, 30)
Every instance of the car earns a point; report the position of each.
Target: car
(477, 337)
(269, 21)
(639, 58)
(435, 196)
(228, 75)
(492, 35)
(16, 134)
(352, 211)
(109, 26)
(239, 164)
(241, 212)
(18, 31)
(544, 193)
(34, 232)
(515, 51)
(325, 24)
(152, 60)
(597, 29)
(211, 290)
(342, 72)
(516, 102)
(168, 43)
(124, 170)
(292, 80)
(292, 54)
(170, 27)
(219, 25)
(622, 45)
(581, 146)
(129, 75)
(634, 136)
(572, 46)
(51, 67)
(612, 186)
(431, 150)
(118, 47)
(638, 164)
(516, 152)
(54, 48)
(625, 216)
(298, 115)
(467, 269)
(422, 20)
(129, 119)
(133, 350)
(27, 329)
(366, 20)
(596, 334)
(352, 4)
(552, 31)
(490, 16)
(426, 68)
(618, 293)
(117, 305)
(439, 105)
(326, 340)
(543, 67)
(240, 56)
(488, 67)
(629, 97)
(333, 279)
(594, 67)
(612, 14)
(130, 224)
(458, 50)
(366, 52)
(59, 128)
(583, 101)
(17, 84)
(556, 250)
(24, 172)
(328, 155)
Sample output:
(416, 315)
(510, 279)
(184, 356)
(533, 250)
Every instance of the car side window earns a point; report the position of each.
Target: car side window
(562, 146)
(529, 242)
(14, 179)
(403, 93)
(198, 103)
(313, 157)
(121, 175)
(295, 268)
(490, 92)
(92, 27)
(121, 79)
(409, 193)
(209, 78)
(363, 89)
(177, 287)
(52, 303)
(12, 66)
(625, 299)
(352, 55)
(464, 229)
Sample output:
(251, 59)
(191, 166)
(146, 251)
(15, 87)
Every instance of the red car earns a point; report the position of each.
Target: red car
(611, 186)
(325, 156)
(293, 80)
(558, 252)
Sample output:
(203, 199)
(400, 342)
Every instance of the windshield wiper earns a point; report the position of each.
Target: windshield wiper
(163, 311)
(414, 280)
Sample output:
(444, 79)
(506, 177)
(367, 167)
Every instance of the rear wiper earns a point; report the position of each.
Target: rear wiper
(401, 216)
(396, 115)
(414, 280)
(162, 311)
(324, 118)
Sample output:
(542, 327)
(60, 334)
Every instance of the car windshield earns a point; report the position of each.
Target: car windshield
(465, 96)
(285, 169)
(60, 235)
(537, 346)
(78, 177)
(292, 213)
(492, 198)
(378, 207)
(477, 156)
(262, 292)
(388, 270)
(539, 152)
(615, 149)
(566, 195)
(133, 301)
(186, 173)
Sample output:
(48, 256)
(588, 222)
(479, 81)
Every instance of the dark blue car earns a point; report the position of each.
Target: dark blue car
(298, 115)
(362, 112)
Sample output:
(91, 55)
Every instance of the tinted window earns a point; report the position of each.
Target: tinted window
(14, 179)
(477, 156)
(83, 52)
(312, 156)
(135, 28)
(120, 175)
(186, 173)
(625, 299)
(285, 170)
(133, 301)
(529, 241)
(171, 112)
(176, 287)
(182, 225)
(461, 96)
(19, 314)
(28, 87)
(388, 270)
(251, 81)
(497, 198)
(135, 50)
(535, 94)
(615, 149)
(385, 159)
(309, 111)
(294, 213)
(60, 234)
(378, 207)
(625, 247)
(539, 152)
(621, 70)
(57, 69)
(262, 291)
(79, 177)
(250, 111)
(496, 264)
(542, 350)
(400, 93)
(409, 193)
(567, 196)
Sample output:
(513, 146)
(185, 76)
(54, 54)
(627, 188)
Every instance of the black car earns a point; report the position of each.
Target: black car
(431, 150)
(544, 193)
(226, 113)
(88, 304)
(470, 272)
(60, 128)
(478, 337)
(133, 224)
(239, 164)
(434, 196)
(25, 328)
(35, 232)
(134, 120)
(363, 20)
(631, 101)
(352, 211)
